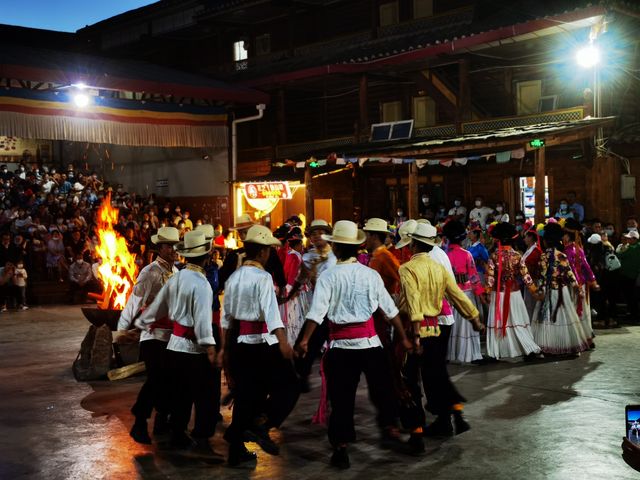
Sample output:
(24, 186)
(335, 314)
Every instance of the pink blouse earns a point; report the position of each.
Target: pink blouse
(464, 269)
(579, 264)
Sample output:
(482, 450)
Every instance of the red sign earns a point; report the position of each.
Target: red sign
(263, 190)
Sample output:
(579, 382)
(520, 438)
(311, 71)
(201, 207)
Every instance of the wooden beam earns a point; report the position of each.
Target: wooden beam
(539, 168)
(412, 201)
(308, 194)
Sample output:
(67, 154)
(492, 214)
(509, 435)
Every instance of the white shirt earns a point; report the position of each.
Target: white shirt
(186, 299)
(442, 258)
(501, 217)
(249, 296)
(148, 284)
(350, 293)
(480, 215)
(313, 259)
(458, 211)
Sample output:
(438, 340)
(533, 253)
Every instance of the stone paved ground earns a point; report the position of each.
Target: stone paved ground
(550, 420)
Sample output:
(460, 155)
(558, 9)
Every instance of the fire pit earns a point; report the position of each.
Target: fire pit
(99, 317)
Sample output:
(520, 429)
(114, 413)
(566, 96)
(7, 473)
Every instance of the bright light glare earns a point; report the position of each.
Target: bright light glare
(588, 56)
(81, 100)
(79, 86)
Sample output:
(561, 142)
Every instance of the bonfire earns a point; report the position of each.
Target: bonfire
(118, 269)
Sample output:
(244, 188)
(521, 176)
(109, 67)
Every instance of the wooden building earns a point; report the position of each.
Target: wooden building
(458, 67)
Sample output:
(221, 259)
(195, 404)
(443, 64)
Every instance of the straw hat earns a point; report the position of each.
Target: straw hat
(346, 232)
(169, 235)
(207, 229)
(405, 229)
(423, 220)
(319, 225)
(243, 221)
(194, 245)
(262, 236)
(426, 234)
(376, 225)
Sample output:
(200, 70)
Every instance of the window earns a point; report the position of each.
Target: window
(422, 8)
(240, 51)
(263, 44)
(391, 111)
(424, 112)
(389, 14)
(528, 96)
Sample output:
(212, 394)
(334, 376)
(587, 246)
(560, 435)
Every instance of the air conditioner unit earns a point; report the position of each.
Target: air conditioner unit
(382, 132)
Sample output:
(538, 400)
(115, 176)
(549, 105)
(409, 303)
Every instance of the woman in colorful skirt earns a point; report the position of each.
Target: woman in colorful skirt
(294, 310)
(556, 325)
(464, 342)
(508, 331)
(583, 273)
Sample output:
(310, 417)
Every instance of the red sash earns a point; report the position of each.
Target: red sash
(252, 328)
(446, 308)
(215, 318)
(184, 332)
(164, 323)
(352, 331)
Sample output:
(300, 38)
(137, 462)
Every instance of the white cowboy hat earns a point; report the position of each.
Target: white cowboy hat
(426, 234)
(166, 235)
(243, 221)
(194, 245)
(423, 220)
(403, 231)
(319, 224)
(345, 231)
(594, 239)
(262, 236)
(207, 229)
(376, 225)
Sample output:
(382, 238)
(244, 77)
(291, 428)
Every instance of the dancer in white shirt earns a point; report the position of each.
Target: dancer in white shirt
(153, 393)
(346, 295)
(257, 352)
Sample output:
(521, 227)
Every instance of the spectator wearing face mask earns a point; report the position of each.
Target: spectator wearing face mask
(563, 210)
(458, 212)
(400, 217)
(576, 208)
(480, 213)
(501, 215)
(56, 263)
(441, 214)
(188, 224)
(427, 209)
(610, 231)
(80, 274)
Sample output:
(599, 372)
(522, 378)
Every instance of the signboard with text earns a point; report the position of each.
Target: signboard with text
(267, 190)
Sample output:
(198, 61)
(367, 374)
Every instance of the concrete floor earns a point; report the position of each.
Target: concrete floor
(551, 420)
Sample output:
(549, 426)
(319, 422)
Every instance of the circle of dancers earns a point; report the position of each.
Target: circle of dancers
(394, 304)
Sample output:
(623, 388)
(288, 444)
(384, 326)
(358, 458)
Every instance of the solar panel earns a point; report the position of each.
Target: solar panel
(382, 132)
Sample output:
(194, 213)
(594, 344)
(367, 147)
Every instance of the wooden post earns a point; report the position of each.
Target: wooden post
(540, 185)
(281, 119)
(363, 119)
(463, 111)
(308, 194)
(412, 201)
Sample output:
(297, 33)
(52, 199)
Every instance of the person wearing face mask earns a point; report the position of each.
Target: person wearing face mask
(480, 213)
(80, 275)
(441, 214)
(576, 208)
(427, 209)
(501, 215)
(563, 211)
(5, 174)
(188, 224)
(458, 212)
(610, 232)
(400, 217)
(165, 215)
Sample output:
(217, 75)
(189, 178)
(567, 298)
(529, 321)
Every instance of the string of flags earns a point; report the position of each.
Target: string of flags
(334, 159)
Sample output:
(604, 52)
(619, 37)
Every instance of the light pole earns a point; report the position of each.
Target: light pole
(589, 57)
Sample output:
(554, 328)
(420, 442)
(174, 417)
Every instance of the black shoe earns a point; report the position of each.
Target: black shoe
(305, 387)
(203, 447)
(161, 424)
(390, 439)
(415, 444)
(139, 432)
(181, 440)
(460, 425)
(239, 455)
(440, 427)
(340, 458)
(260, 435)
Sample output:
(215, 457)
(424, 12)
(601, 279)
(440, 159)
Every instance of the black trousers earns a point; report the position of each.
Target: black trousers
(630, 295)
(343, 369)
(440, 392)
(155, 392)
(194, 382)
(265, 385)
(314, 349)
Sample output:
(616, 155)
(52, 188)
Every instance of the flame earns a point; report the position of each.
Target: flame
(118, 269)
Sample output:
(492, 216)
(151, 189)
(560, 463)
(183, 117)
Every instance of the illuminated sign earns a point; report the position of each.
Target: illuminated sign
(537, 143)
(267, 190)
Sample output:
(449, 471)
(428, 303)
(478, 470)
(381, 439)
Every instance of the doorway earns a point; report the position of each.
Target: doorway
(527, 196)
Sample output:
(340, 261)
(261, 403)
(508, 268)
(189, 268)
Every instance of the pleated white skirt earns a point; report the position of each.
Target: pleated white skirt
(566, 334)
(464, 343)
(518, 339)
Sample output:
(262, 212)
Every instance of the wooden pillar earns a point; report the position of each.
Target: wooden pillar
(540, 184)
(363, 118)
(412, 201)
(308, 194)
